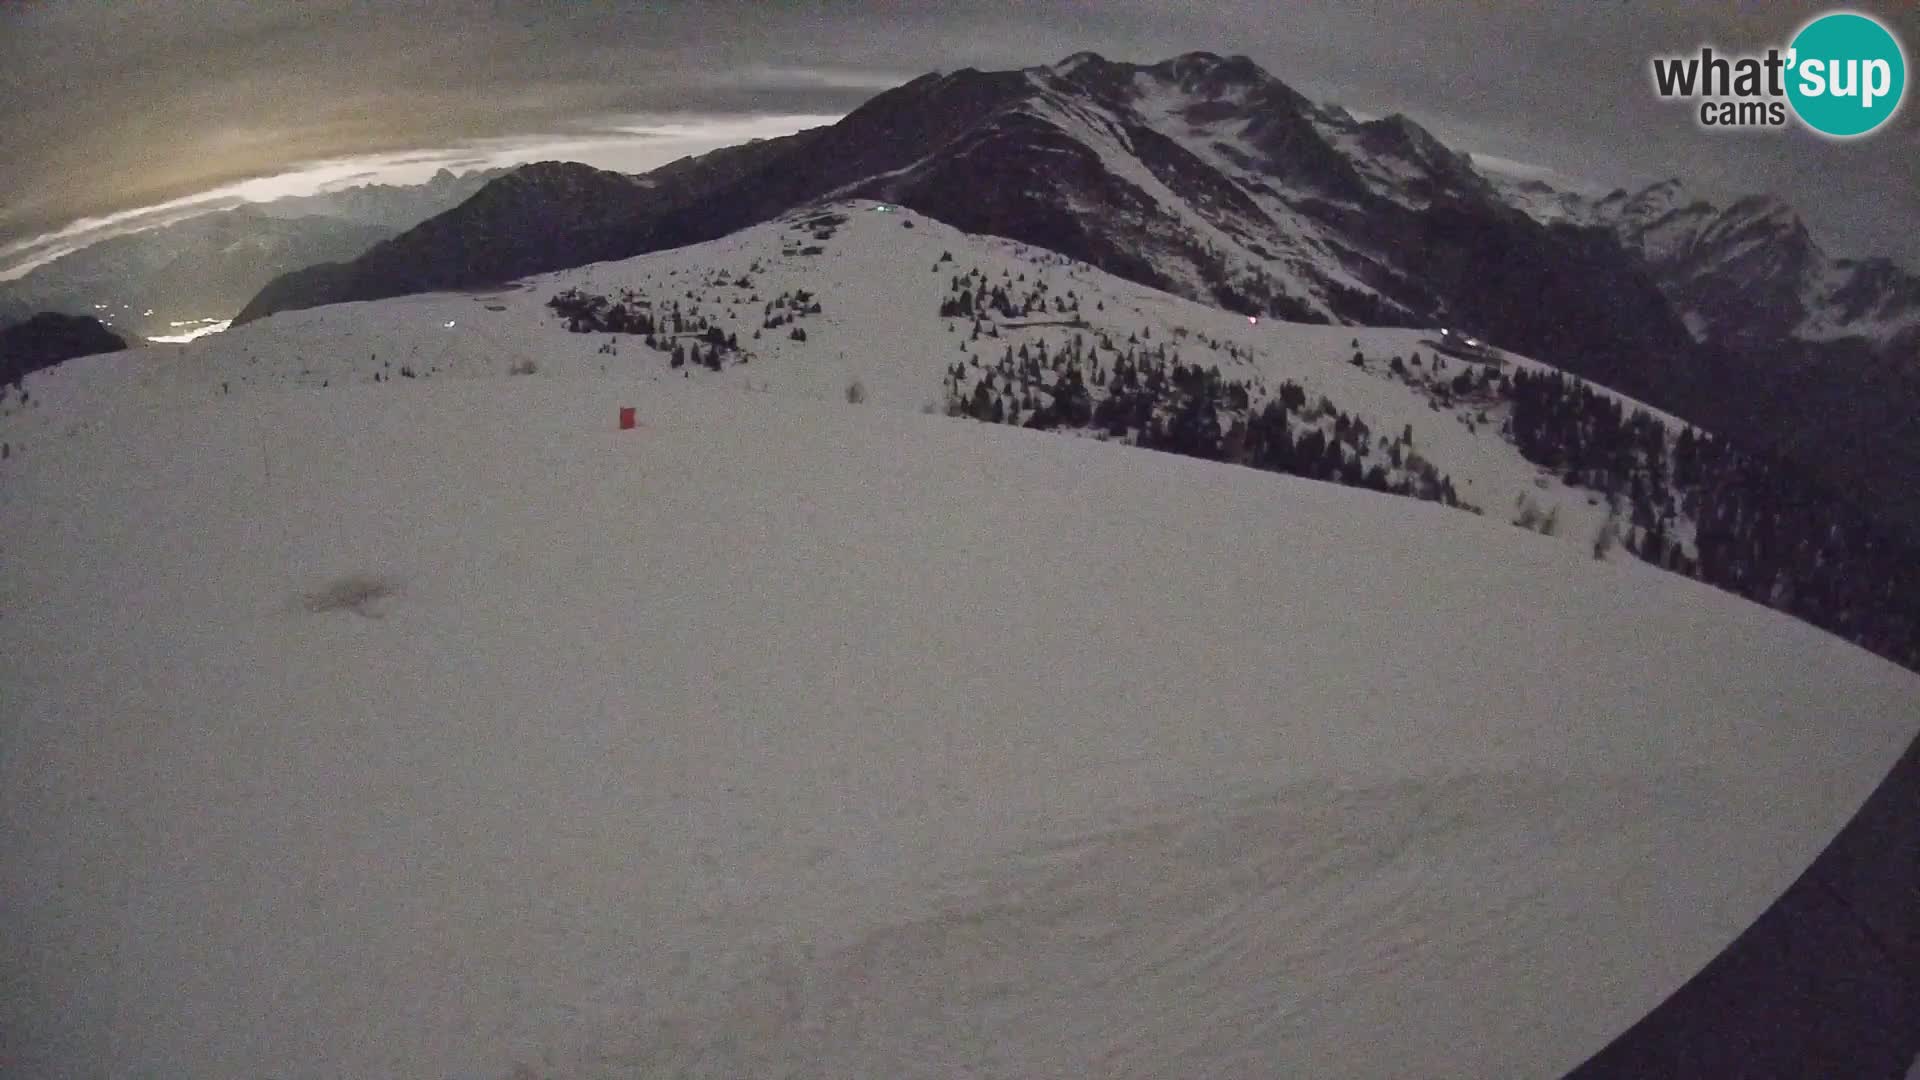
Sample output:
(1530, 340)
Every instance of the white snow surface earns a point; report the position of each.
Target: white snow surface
(785, 737)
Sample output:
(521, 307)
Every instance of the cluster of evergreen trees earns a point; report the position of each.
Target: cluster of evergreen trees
(970, 296)
(1145, 394)
(1592, 441)
(822, 225)
(1763, 530)
(1347, 453)
(683, 333)
(587, 313)
(709, 349)
(686, 336)
(787, 308)
(819, 227)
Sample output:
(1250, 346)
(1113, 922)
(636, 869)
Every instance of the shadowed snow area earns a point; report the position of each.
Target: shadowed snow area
(788, 737)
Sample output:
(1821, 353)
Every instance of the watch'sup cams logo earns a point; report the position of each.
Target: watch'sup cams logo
(1844, 74)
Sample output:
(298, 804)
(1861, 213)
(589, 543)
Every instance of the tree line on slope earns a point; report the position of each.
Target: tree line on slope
(685, 335)
(1141, 392)
(1146, 396)
(1762, 529)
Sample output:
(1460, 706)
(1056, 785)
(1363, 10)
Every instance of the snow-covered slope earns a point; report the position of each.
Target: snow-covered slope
(879, 280)
(782, 737)
(787, 736)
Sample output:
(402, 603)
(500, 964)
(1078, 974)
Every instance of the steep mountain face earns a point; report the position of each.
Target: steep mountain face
(206, 268)
(1747, 274)
(48, 338)
(1202, 175)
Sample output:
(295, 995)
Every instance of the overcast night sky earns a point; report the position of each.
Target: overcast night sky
(116, 106)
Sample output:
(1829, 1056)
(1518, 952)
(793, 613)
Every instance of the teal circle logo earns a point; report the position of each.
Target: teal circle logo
(1847, 74)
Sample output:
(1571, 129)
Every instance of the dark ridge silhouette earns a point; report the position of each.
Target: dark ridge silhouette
(47, 339)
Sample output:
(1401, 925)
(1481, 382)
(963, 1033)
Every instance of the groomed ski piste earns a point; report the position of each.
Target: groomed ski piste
(435, 727)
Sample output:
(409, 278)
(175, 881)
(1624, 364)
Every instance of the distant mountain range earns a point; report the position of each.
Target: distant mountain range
(1208, 177)
(1745, 274)
(398, 207)
(205, 268)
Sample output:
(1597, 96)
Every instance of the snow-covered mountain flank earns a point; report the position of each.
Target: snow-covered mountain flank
(1202, 175)
(1207, 177)
(923, 316)
(374, 710)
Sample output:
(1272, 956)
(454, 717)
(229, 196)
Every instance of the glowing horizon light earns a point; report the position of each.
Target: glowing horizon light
(211, 327)
(626, 142)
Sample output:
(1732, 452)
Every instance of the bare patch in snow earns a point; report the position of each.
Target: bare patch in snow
(358, 593)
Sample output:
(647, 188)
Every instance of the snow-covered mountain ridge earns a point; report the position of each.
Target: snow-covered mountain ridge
(1206, 176)
(1202, 175)
(880, 277)
(781, 735)
(922, 316)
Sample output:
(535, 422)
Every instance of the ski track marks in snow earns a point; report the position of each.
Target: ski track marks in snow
(781, 736)
(789, 737)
